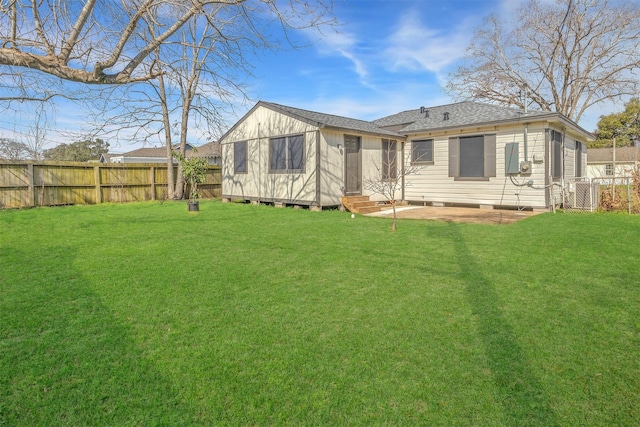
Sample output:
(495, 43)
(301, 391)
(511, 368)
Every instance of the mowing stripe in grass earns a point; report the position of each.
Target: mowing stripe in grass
(254, 315)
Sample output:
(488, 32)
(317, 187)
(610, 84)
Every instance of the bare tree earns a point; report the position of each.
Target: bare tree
(568, 56)
(199, 74)
(13, 150)
(102, 42)
(35, 137)
(45, 46)
(390, 176)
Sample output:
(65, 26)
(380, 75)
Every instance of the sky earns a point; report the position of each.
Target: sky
(385, 56)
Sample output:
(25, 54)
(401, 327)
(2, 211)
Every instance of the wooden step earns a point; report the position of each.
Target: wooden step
(356, 198)
(363, 204)
(360, 204)
(369, 209)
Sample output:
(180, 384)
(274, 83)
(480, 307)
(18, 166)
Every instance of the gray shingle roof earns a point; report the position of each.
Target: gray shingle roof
(459, 115)
(330, 120)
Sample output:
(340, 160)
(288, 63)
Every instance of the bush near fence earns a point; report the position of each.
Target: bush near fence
(620, 193)
(28, 184)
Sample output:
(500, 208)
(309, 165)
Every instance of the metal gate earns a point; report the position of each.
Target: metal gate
(581, 195)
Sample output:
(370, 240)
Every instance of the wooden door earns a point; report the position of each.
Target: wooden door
(352, 165)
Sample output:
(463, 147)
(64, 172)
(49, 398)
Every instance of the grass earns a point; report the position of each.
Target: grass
(144, 314)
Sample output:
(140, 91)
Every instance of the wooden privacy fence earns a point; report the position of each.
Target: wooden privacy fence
(26, 184)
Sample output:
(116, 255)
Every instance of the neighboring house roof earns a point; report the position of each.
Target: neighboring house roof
(605, 155)
(147, 152)
(106, 157)
(210, 149)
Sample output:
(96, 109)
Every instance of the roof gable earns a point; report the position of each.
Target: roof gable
(331, 120)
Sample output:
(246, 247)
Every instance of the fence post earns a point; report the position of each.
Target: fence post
(31, 192)
(629, 195)
(153, 182)
(98, 179)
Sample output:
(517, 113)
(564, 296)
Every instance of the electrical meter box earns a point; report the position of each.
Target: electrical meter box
(525, 168)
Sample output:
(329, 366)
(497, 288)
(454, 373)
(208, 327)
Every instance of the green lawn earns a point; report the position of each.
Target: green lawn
(145, 314)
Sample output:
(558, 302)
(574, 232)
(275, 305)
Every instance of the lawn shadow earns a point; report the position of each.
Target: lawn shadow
(65, 358)
(523, 398)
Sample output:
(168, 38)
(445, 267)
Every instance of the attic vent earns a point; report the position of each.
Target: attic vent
(426, 114)
(422, 109)
(446, 116)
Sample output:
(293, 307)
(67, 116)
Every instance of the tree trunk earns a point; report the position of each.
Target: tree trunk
(393, 224)
(171, 184)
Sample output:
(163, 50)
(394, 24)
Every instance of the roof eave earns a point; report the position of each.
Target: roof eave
(557, 117)
(365, 132)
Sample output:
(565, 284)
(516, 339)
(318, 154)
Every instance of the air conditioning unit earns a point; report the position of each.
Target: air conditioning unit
(582, 196)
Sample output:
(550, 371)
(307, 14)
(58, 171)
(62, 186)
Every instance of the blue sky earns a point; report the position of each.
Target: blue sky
(386, 56)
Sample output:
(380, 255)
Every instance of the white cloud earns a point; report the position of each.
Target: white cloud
(345, 45)
(415, 47)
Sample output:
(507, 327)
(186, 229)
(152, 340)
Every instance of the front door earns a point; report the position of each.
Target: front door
(352, 165)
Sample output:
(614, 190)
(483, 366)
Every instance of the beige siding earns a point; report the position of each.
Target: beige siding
(259, 183)
(332, 167)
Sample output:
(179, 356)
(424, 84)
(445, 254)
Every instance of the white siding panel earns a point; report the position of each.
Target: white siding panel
(431, 183)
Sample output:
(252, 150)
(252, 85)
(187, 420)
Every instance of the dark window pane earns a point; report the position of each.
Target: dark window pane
(578, 159)
(389, 155)
(278, 154)
(422, 151)
(296, 152)
(240, 156)
(472, 157)
(557, 154)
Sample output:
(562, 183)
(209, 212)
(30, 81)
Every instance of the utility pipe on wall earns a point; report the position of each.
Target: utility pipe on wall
(526, 142)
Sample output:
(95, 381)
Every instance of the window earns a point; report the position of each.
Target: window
(472, 157)
(422, 151)
(579, 153)
(556, 156)
(608, 169)
(240, 157)
(389, 159)
(286, 154)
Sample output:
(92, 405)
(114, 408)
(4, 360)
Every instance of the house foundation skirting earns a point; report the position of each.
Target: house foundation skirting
(310, 204)
(476, 206)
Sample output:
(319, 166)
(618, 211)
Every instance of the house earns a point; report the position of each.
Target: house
(466, 153)
(210, 150)
(601, 161)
